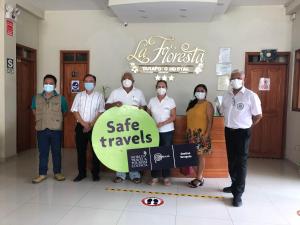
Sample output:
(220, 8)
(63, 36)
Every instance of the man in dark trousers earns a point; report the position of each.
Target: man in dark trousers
(87, 107)
(241, 108)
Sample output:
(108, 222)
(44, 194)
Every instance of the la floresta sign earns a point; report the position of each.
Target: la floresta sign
(159, 54)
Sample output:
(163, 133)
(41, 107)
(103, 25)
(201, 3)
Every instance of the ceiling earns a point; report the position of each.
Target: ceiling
(151, 11)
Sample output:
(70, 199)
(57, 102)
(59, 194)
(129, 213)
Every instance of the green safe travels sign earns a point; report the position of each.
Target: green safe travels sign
(119, 129)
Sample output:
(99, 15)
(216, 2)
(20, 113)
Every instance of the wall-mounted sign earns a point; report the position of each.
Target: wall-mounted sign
(75, 86)
(10, 28)
(159, 54)
(264, 84)
(10, 67)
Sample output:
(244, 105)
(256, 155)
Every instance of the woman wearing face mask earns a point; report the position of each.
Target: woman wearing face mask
(199, 122)
(163, 110)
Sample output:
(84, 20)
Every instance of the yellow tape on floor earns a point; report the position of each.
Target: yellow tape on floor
(162, 193)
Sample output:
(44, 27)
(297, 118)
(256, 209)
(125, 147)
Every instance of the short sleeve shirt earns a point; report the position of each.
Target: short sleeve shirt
(88, 105)
(238, 109)
(135, 97)
(161, 111)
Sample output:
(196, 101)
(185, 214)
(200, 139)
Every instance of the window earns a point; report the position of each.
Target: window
(296, 88)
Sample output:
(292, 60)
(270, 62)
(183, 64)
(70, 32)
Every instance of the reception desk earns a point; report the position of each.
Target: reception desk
(216, 163)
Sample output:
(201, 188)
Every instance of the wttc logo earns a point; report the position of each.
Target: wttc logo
(158, 157)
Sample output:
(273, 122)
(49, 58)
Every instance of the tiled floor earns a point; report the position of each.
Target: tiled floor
(272, 197)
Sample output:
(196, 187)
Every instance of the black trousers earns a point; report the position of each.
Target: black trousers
(82, 140)
(237, 145)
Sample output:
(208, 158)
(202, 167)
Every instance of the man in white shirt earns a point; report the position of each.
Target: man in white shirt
(87, 107)
(126, 95)
(241, 108)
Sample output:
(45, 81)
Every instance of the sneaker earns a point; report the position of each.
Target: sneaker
(153, 181)
(118, 180)
(39, 179)
(137, 180)
(59, 177)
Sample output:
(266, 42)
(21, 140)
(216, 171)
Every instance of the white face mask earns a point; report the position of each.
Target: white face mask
(200, 95)
(127, 83)
(236, 83)
(161, 91)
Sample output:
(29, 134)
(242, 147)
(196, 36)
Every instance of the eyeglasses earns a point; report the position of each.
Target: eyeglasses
(233, 101)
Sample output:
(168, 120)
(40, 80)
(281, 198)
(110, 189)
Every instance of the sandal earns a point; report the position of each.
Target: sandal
(196, 183)
(153, 181)
(167, 182)
(118, 180)
(137, 180)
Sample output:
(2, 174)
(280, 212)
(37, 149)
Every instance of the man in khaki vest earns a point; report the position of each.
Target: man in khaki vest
(48, 108)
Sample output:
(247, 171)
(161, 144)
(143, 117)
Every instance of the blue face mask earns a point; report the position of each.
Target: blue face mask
(48, 88)
(89, 86)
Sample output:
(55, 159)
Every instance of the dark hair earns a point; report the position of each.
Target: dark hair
(50, 76)
(90, 75)
(194, 101)
(159, 81)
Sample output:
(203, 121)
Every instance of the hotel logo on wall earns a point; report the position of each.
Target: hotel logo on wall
(162, 56)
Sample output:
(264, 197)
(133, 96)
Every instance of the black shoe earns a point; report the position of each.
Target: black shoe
(96, 178)
(227, 189)
(79, 178)
(237, 202)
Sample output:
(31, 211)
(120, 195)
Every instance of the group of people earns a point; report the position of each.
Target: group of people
(241, 108)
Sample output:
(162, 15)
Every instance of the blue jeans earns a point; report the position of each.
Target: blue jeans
(46, 139)
(132, 175)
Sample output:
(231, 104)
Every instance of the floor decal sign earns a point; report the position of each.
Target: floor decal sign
(152, 201)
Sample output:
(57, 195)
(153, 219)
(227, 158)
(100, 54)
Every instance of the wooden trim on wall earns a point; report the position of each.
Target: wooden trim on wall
(296, 83)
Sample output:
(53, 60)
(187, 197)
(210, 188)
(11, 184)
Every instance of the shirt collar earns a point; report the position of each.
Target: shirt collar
(54, 93)
(240, 91)
(133, 88)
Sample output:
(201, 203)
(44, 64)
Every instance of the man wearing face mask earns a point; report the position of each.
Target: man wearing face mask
(126, 95)
(241, 108)
(87, 107)
(48, 108)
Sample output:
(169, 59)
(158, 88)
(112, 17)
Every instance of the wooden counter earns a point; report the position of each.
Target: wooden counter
(216, 163)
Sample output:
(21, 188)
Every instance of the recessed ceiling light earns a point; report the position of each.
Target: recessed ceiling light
(183, 16)
(141, 10)
(182, 10)
(144, 17)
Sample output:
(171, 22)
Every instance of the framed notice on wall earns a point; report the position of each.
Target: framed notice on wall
(10, 28)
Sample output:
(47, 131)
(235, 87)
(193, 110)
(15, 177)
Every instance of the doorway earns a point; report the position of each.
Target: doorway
(74, 65)
(268, 137)
(26, 88)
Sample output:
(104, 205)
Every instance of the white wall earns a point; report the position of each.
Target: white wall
(2, 86)
(293, 117)
(243, 29)
(27, 30)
